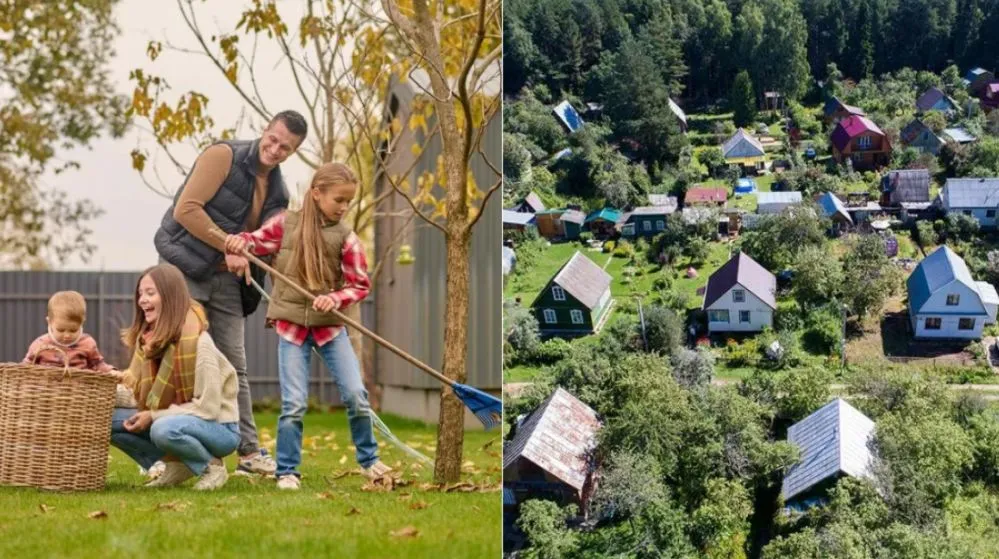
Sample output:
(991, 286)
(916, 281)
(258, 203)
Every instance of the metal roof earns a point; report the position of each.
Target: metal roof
(534, 201)
(517, 218)
(744, 271)
(790, 197)
(662, 200)
(609, 214)
(568, 116)
(832, 205)
(574, 216)
(942, 267)
(833, 440)
(558, 437)
(971, 193)
(959, 135)
(988, 293)
(705, 194)
(742, 144)
(653, 210)
(930, 99)
(851, 127)
(907, 185)
(678, 111)
(583, 279)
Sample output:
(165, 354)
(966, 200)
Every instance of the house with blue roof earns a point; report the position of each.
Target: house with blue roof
(945, 301)
(603, 222)
(517, 221)
(834, 208)
(977, 197)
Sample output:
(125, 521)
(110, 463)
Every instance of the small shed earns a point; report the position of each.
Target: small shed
(516, 221)
(905, 185)
(572, 223)
(603, 222)
(551, 453)
(834, 208)
(531, 203)
(936, 100)
(776, 202)
(959, 135)
(834, 442)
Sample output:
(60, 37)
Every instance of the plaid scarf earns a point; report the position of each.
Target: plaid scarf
(169, 379)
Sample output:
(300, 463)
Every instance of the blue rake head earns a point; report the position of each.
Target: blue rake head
(488, 408)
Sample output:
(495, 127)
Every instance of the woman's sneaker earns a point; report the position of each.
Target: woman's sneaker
(289, 482)
(261, 464)
(214, 477)
(154, 471)
(376, 470)
(174, 473)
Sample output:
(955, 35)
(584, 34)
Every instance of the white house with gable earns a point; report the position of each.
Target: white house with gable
(740, 296)
(944, 300)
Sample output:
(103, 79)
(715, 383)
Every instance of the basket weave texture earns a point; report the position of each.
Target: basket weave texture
(55, 426)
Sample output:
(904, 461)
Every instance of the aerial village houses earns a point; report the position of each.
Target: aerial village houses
(745, 151)
(908, 190)
(836, 110)
(834, 208)
(976, 197)
(976, 79)
(858, 139)
(834, 442)
(516, 221)
(646, 221)
(944, 300)
(705, 196)
(740, 296)
(531, 203)
(918, 135)
(558, 224)
(936, 100)
(576, 301)
(776, 202)
(551, 453)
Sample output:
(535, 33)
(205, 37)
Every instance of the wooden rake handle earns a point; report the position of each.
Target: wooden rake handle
(347, 320)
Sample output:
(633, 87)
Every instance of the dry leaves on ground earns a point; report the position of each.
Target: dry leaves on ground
(324, 495)
(353, 511)
(173, 505)
(385, 483)
(44, 508)
(419, 505)
(406, 532)
(97, 514)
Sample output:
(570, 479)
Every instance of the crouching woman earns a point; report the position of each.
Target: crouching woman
(185, 388)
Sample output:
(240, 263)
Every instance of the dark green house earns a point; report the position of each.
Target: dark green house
(576, 302)
(645, 221)
(573, 220)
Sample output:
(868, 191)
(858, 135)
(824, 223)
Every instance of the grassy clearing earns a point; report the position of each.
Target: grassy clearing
(249, 517)
(528, 284)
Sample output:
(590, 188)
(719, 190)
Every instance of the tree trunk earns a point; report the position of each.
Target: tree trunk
(451, 426)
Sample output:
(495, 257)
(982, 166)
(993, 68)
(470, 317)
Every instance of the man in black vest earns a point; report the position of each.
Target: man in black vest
(234, 186)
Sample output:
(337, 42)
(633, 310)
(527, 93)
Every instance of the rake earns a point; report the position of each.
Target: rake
(486, 407)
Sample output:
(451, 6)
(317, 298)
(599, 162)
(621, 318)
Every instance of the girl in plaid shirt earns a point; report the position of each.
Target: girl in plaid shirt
(317, 250)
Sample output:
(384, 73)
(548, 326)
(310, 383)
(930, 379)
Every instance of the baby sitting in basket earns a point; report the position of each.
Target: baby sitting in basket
(66, 343)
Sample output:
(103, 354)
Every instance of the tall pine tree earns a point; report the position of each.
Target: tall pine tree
(743, 100)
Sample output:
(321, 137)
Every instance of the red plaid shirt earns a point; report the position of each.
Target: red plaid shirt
(353, 262)
(81, 355)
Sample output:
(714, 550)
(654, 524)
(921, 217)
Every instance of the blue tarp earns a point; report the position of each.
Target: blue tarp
(745, 186)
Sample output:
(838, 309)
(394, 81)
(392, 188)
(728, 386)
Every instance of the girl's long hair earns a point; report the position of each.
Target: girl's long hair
(175, 300)
(309, 256)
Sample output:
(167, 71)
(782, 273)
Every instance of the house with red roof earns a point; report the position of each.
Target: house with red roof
(705, 196)
(858, 139)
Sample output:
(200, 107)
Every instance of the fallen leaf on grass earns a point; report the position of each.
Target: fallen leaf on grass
(418, 505)
(407, 532)
(416, 466)
(493, 453)
(97, 514)
(384, 483)
(353, 511)
(462, 487)
(44, 508)
(173, 505)
(324, 495)
(343, 459)
(345, 473)
(489, 444)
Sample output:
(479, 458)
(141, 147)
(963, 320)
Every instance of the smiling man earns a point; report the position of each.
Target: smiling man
(235, 186)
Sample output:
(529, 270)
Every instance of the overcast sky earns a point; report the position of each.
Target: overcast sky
(124, 234)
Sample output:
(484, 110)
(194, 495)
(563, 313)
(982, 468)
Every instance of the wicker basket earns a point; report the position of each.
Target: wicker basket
(55, 426)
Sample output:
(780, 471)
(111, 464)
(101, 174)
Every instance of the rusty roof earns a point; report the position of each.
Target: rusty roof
(558, 437)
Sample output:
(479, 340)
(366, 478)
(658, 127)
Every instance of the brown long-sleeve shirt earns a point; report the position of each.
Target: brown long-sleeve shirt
(210, 171)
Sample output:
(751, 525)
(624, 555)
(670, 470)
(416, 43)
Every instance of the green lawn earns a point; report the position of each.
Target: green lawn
(529, 284)
(249, 517)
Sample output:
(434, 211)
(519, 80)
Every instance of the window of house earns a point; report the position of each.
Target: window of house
(864, 142)
(966, 212)
(718, 316)
(558, 293)
(856, 157)
(738, 296)
(647, 226)
(743, 316)
(550, 316)
(966, 324)
(990, 213)
(953, 299)
(660, 224)
(932, 323)
(577, 316)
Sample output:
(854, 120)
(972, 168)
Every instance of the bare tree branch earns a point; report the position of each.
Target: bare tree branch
(485, 200)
